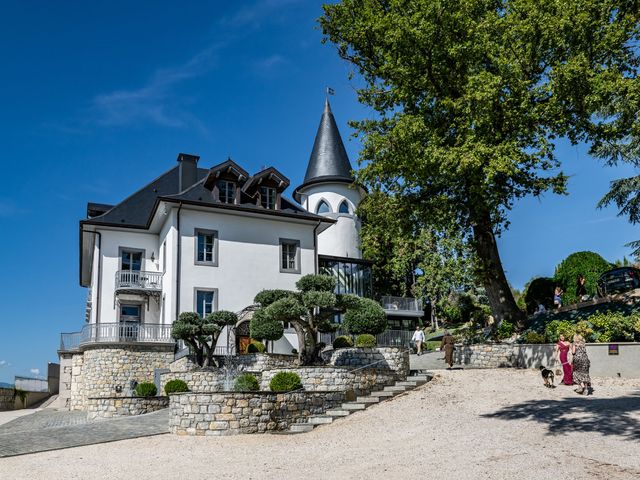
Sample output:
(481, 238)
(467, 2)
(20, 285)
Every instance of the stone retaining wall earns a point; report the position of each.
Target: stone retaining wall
(205, 380)
(98, 371)
(108, 407)
(486, 355)
(326, 379)
(232, 413)
(258, 362)
(7, 401)
(383, 358)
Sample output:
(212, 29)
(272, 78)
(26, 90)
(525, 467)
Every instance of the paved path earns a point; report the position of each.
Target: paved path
(53, 430)
(427, 361)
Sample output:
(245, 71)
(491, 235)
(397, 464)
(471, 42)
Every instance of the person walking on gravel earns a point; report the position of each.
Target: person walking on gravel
(448, 346)
(418, 338)
(581, 365)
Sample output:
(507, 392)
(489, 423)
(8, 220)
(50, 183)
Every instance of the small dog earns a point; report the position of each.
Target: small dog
(548, 377)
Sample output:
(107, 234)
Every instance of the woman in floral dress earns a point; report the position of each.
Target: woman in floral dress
(581, 365)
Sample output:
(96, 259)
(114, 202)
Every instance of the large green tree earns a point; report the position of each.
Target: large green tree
(469, 96)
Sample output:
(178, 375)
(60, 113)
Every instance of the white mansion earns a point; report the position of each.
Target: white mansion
(204, 239)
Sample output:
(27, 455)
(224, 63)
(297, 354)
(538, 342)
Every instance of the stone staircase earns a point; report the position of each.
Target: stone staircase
(361, 403)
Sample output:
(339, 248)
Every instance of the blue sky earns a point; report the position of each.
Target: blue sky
(99, 98)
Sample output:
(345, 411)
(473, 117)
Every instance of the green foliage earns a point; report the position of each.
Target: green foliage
(285, 382)
(463, 307)
(256, 347)
(146, 389)
(267, 297)
(615, 327)
(343, 341)
(263, 327)
(555, 328)
(505, 330)
(469, 97)
(222, 318)
(365, 341)
(175, 386)
(198, 333)
(533, 337)
(246, 383)
(539, 291)
(367, 317)
(316, 283)
(589, 264)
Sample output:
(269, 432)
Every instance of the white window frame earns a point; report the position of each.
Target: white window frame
(226, 184)
(268, 194)
(323, 201)
(214, 247)
(346, 204)
(286, 243)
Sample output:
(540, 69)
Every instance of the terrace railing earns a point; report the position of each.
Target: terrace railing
(116, 333)
(390, 338)
(401, 304)
(138, 280)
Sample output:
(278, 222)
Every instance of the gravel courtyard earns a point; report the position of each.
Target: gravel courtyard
(465, 424)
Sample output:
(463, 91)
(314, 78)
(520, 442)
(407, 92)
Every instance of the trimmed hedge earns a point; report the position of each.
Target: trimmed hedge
(342, 342)
(365, 341)
(246, 383)
(256, 347)
(285, 382)
(316, 283)
(146, 389)
(175, 386)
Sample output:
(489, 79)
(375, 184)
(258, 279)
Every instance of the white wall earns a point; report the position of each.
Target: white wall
(343, 238)
(248, 257)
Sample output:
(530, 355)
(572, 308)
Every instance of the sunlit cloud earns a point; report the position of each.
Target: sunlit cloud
(35, 371)
(258, 13)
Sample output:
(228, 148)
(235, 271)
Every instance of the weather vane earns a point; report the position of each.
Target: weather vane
(330, 91)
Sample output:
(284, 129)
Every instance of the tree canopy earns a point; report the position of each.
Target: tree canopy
(469, 97)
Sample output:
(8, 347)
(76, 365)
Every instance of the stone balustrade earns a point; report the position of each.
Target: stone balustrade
(233, 413)
(109, 407)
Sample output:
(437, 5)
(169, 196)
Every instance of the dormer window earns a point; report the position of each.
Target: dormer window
(323, 207)
(268, 198)
(344, 207)
(227, 191)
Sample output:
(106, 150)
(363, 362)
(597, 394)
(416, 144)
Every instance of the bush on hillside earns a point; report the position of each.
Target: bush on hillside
(615, 327)
(505, 330)
(175, 386)
(533, 337)
(589, 264)
(342, 341)
(365, 341)
(555, 328)
(146, 389)
(246, 383)
(539, 291)
(285, 382)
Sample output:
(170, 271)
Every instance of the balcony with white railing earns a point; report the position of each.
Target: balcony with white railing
(138, 281)
(123, 332)
(405, 306)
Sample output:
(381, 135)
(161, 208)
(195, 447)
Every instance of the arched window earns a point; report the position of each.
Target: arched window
(323, 207)
(344, 207)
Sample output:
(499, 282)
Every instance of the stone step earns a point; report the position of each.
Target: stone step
(406, 384)
(367, 399)
(383, 394)
(354, 406)
(301, 427)
(320, 420)
(420, 379)
(337, 413)
(395, 389)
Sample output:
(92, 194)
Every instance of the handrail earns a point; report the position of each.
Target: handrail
(122, 332)
(407, 304)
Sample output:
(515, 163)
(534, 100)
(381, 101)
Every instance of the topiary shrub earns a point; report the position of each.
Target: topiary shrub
(533, 337)
(365, 341)
(367, 317)
(539, 291)
(262, 326)
(316, 283)
(267, 297)
(246, 383)
(285, 382)
(342, 341)
(256, 347)
(589, 264)
(146, 389)
(175, 386)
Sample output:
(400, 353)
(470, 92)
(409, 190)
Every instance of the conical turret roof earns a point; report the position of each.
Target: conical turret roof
(329, 161)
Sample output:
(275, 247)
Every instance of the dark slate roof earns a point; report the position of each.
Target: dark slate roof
(134, 211)
(329, 161)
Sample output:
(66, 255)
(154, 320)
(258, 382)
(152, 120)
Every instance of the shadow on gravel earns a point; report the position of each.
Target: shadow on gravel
(607, 416)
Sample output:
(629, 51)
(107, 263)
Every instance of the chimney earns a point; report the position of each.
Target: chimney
(187, 171)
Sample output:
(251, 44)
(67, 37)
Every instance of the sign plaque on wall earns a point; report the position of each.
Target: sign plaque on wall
(613, 349)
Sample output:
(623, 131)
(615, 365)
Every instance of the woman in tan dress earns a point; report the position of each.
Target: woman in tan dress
(447, 345)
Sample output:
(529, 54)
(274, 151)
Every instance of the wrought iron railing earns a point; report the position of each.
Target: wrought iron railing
(139, 280)
(390, 338)
(116, 333)
(404, 304)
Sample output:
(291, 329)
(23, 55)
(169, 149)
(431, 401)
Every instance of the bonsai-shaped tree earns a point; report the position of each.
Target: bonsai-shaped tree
(310, 310)
(201, 334)
(367, 317)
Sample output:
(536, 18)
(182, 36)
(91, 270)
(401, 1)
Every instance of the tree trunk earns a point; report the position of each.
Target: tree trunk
(503, 305)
